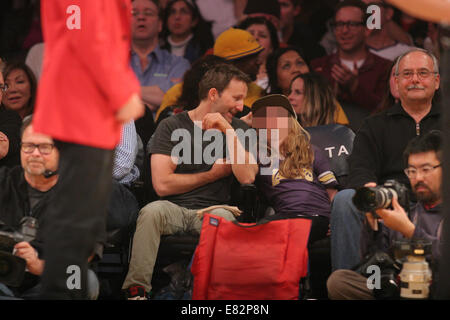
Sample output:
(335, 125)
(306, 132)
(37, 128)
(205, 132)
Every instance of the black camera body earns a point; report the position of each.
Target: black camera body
(12, 268)
(390, 269)
(369, 199)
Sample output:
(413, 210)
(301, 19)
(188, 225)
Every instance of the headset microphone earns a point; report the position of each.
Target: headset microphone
(48, 173)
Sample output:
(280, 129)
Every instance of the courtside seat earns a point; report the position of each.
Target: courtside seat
(336, 141)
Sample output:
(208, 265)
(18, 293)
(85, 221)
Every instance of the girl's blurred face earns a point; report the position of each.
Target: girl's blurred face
(297, 95)
(289, 65)
(273, 119)
(180, 21)
(261, 33)
(19, 90)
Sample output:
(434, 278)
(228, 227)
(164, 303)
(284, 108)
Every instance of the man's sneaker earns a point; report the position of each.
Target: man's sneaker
(136, 293)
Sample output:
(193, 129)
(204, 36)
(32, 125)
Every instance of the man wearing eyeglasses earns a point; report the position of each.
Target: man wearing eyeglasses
(27, 191)
(423, 157)
(379, 144)
(357, 75)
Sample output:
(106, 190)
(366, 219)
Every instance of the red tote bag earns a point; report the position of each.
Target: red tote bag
(250, 261)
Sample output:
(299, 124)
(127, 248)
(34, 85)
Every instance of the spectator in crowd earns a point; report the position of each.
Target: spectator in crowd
(313, 100)
(316, 108)
(390, 96)
(304, 169)
(265, 33)
(379, 144)
(282, 66)
(354, 72)
(27, 191)
(380, 41)
(9, 132)
(156, 69)
(185, 187)
(184, 95)
(296, 179)
(392, 26)
(185, 33)
(242, 50)
(285, 64)
(423, 159)
(123, 206)
(21, 94)
(295, 33)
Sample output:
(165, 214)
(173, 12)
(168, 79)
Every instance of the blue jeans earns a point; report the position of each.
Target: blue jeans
(346, 222)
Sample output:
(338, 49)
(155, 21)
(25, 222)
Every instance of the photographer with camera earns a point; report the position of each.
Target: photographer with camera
(423, 156)
(378, 146)
(26, 191)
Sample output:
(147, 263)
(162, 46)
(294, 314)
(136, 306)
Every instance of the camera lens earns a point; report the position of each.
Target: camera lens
(365, 199)
(369, 199)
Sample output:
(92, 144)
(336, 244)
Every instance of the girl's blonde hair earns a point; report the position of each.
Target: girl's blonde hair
(297, 151)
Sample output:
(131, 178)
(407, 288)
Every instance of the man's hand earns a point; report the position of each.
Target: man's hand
(25, 251)
(132, 110)
(4, 145)
(396, 219)
(215, 121)
(345, 77)
(220, 169)
(248, 119)
(370, 185)
(152, 96)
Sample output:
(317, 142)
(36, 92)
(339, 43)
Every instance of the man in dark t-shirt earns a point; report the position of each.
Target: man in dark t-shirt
(189, 171)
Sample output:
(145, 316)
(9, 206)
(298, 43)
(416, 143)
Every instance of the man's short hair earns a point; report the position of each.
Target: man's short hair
(428, 53)
(431, 141)
(158, 6)
(352, 3)
(219, 78)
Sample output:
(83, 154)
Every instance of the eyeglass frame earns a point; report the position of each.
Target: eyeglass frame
(352, 25)
(416, 72)
(4, 87)
(24, 144)
(146, 12)
(429, 169)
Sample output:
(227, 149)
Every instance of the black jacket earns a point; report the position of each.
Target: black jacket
(15, 205)
(379, 144)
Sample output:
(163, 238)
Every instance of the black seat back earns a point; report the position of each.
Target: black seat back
(337, 142)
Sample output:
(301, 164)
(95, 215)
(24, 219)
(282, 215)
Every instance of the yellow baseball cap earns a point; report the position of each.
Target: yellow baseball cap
(234, 44)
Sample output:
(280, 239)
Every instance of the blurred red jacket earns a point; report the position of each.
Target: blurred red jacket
(86, 76)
